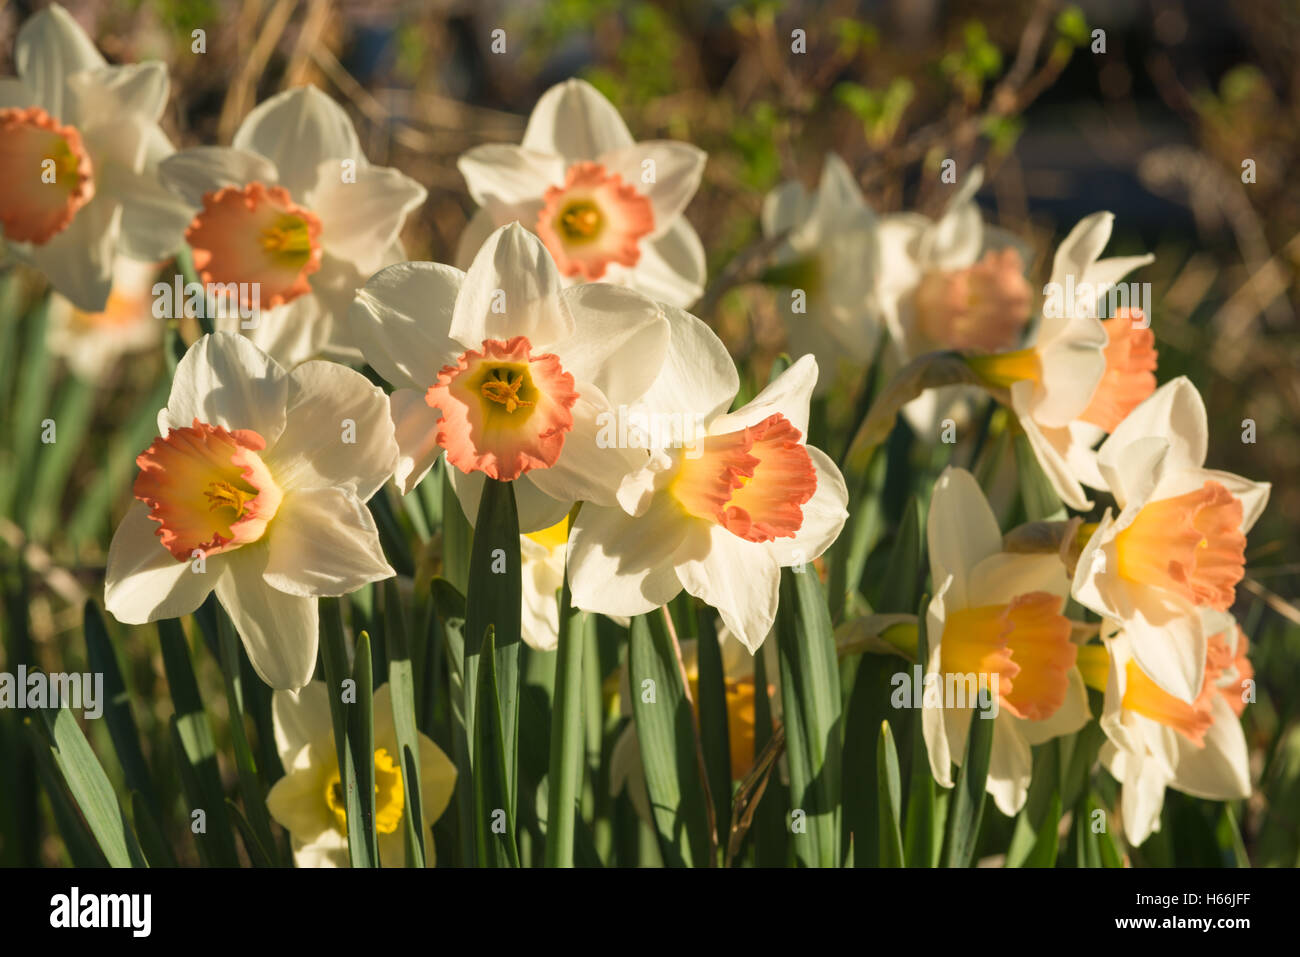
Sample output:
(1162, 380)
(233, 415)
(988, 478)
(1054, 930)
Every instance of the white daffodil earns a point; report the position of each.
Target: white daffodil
(291, 220)
(1157, 741)
(79, 150)
(829, 262)
(1178, 543)
(511, 373)
(952, 283)
(308, 801)
(626, 771)
(1081, 375)
(722, 511)
(995, 625)
(93, 342)
(255, 488)
(607, 208)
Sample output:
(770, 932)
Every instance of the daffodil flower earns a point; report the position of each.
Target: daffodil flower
(997, 617)
(79, 150)
(1177, 545)
(93, 342)
(1081, 375)
(950, 284)
(542, 554)
(831, 254)
(1157, 741)
(255, 489)
(309, 802)
(289, 221)
(608, 208)
(510, 373)
(720, 513)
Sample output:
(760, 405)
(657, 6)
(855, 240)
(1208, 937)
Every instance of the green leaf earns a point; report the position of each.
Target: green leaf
(665, 730)
(77, 839)
(401, 685)
(494, 827)
(810, 690)
(122, 728)
(198, 746)
(890, 799)
(494, 600)
(1038, 820)
(564, 776)
(90, 788)
(153, 842)
(358, 777)
(1043, 853)
(901, 583)
(968, 797)
(457, 535)
(449, 606)
(923, 835)
(869, 706)
(715, 737)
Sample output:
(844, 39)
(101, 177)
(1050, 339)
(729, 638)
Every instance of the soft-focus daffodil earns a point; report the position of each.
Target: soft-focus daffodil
(607, 208)
(255, 488)
(542, 554)
(831, 253)
(1178, 543)
(294, 214)
(510, 372)
(79, 151)
(93, 342)
(308, 801)
(721, 514)
(1081, 375)
(995, 614)
(1156, 741)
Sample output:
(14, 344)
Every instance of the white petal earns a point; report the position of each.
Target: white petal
(620, 565)
(223, 379)
(671, 269)
(619, 341)
(338, 431)
(324, 543)
(1253, 495)
(677, 170)
(785, 208)
(362, 217)
(787, 394)
(1011, 765)
(512, 289)
(402, 320)
(1174, 412)
(107, 94)
(301, 718)
(698, 376)
(1072, 366)
(741, 580)
(588, 470)
(279, 630)
(1171, 651)
(574, 121)
(78, 261)
(954, 242)
(416, 432)
(143, 581)
(297, 130)
(501, 174)
(154, 218)
(49, 48)
(1143, 798)
(824, 516)
(1219, 771)
(961, 531)
(473, 236)
(1074, 257)
(295, 800)
(1003, 576)
(1050, 448)
(194, 172)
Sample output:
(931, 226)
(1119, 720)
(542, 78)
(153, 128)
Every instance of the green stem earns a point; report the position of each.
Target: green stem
(566, 736)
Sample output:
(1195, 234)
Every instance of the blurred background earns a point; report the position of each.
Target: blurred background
(1182, 117)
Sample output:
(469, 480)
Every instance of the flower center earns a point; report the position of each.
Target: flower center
(1191, 544)
(1130, 371)
(46, 175)
(256, 244)
(592, 220)
(753, 482)
(504, 410)
(207, 489)
(1025, 642)
(390, 795)
(981, 308)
